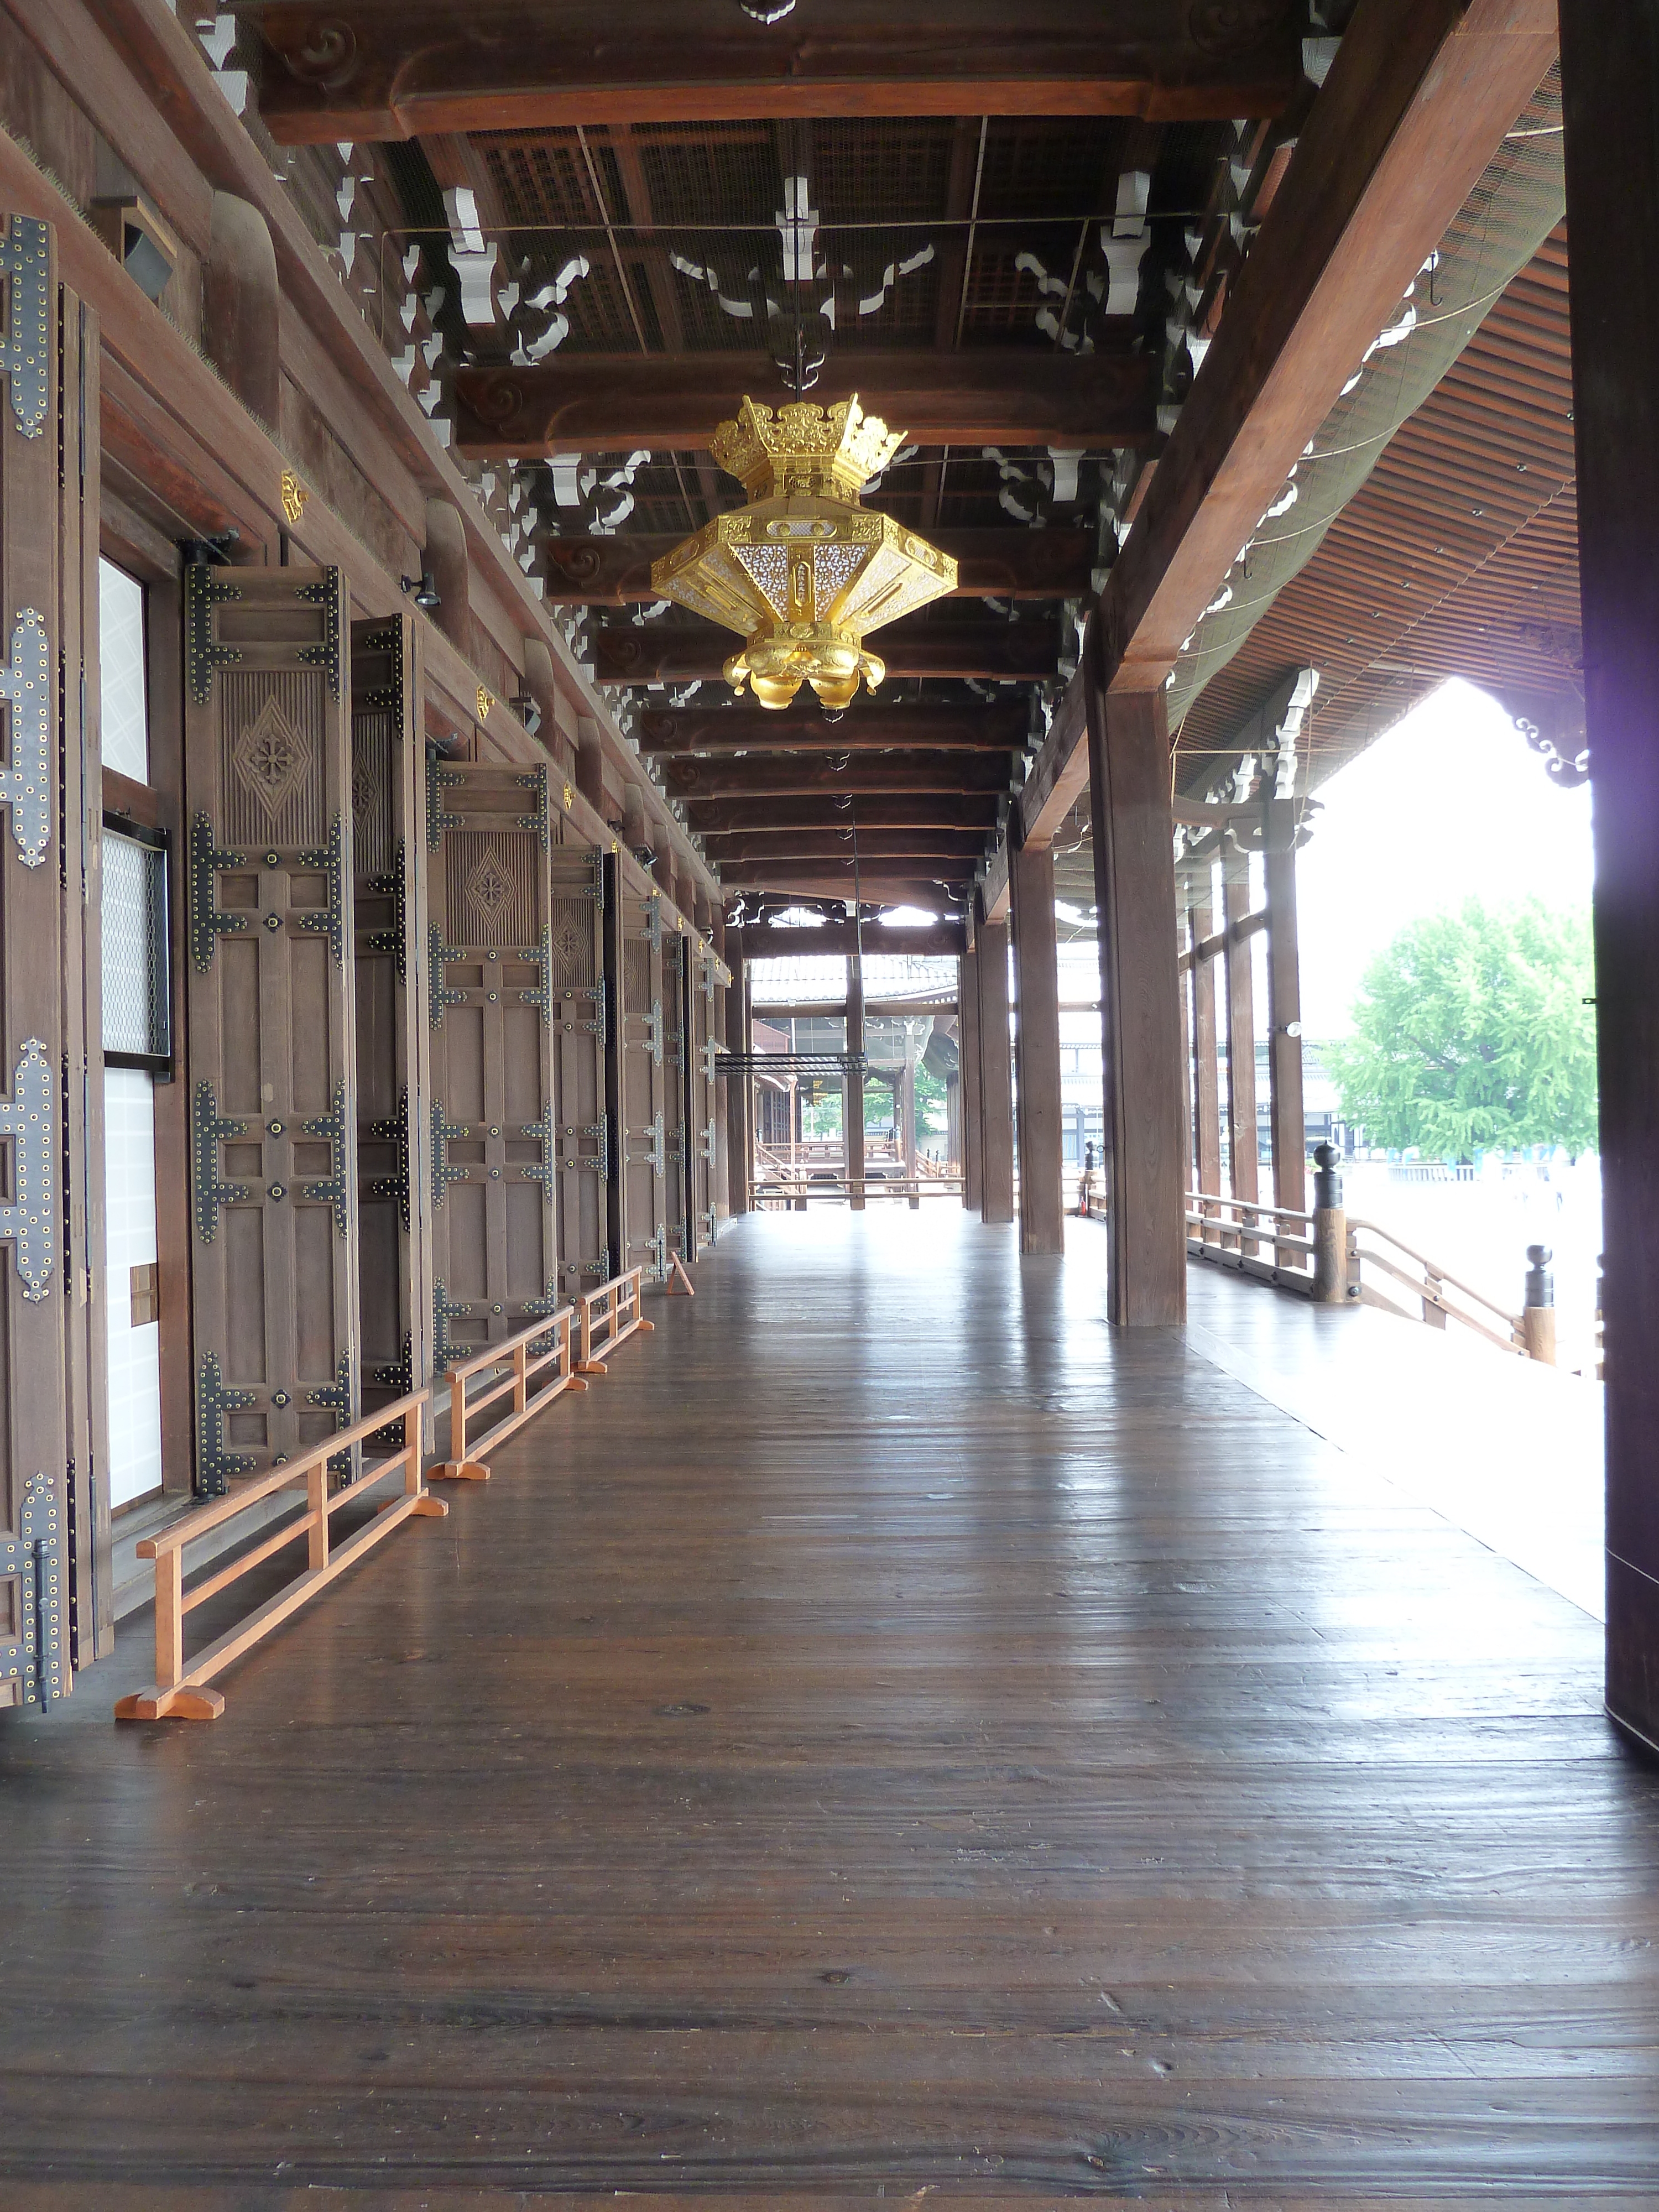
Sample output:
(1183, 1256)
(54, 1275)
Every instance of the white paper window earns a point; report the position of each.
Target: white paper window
(121, 655)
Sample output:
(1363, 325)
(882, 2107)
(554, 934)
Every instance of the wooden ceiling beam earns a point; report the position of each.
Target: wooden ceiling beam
(392, 69)
(758, 777)
(769, 940)
(673, 403)
(865, 725)
(1012, 564)
(900, 810)
(896, 882)
(1418, 99)
(1026, 652)
(837, 845)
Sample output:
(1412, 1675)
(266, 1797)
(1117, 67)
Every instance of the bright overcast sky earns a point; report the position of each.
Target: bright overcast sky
(1452, 805)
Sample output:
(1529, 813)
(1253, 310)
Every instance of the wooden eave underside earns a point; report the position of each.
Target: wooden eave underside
(1421, 93)
(1413, 585)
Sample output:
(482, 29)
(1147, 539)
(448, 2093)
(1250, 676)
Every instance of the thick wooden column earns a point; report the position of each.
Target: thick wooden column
(1206, 1074)
(852, 1096)
(242, 307)
(1610, 69)
(996, 1075)
(973, 1158)
(452, 573)
(1139, 997)
(738, 1087)
(1242, 1140)
(590, 764)
(1287, 1120)
(1036, 1046)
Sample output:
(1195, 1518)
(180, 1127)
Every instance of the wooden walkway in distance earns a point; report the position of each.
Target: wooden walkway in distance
(890, 1735)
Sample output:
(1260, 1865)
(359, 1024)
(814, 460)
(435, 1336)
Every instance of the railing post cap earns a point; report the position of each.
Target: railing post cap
(1539, 1255)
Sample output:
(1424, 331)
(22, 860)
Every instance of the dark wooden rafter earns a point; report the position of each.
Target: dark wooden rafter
(614, 403)
(867, 724)
(861, 772)
(377, 68)
(903, 810)
(1012, 564)
(1421, 93)
(1024, 652)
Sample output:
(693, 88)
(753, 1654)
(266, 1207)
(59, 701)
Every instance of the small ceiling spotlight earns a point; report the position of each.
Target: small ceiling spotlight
(767, 11)
(527, 711)
(424, 590)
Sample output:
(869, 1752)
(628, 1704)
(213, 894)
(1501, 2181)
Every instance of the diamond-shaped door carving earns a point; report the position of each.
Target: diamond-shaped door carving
(488, 887)
(270, 759)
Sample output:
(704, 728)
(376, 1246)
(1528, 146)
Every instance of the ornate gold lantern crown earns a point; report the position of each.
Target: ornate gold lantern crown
(803, 571)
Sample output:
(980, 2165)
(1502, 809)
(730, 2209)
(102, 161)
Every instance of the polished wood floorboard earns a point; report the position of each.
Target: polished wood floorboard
(893, 1734)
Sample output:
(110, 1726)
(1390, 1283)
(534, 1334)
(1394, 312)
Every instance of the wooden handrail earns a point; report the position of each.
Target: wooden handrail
(181, 1690)
(605, 1308)
(466, 1461)
(1430, 1290)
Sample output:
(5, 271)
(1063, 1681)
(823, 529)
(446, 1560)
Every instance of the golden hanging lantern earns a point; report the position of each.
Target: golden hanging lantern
(803, 572)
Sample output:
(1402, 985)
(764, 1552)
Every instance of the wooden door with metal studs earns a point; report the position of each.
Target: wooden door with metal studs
(271, 1006)
(492, 1120)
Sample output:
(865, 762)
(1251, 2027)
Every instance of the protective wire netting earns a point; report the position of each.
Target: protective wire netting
(134, 917)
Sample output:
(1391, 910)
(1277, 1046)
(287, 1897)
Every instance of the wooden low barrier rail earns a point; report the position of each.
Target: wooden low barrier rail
(610, 1315)
(514, 1361)
(913, 1188)
(179, 1691)
(1431, 1284)
(1230, 1231)
(1332, 1262)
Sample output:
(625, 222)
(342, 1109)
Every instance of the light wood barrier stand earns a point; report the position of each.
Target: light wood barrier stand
(181, 1691)
(466, 1461)
(614, 1309)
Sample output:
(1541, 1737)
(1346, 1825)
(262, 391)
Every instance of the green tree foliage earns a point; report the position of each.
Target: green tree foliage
(1471, 1032)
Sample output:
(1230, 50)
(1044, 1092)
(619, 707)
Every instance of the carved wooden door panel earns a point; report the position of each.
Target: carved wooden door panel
(581, 1116)
(388, 807)
(271, 1009)
(676, 1151)
(644, 1077)
(35, 1283)
(489, 953)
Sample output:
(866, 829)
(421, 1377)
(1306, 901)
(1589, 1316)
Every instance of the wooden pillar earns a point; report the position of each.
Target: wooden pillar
(1206, 1073)
(590, 765)
(907, 1103)
(738, 1119)
(1140, 999)
(241, 307)
(1242, 1141)
(543, 687)
(1036, 1046)
(446, 557)
(1610, 71)
(634, 832)
(968, 1062)
(996, 1075)
(1287, 1121)
(852, 1107)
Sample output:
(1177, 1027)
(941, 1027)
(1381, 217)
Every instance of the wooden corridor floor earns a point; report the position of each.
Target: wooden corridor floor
(891, 1736)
